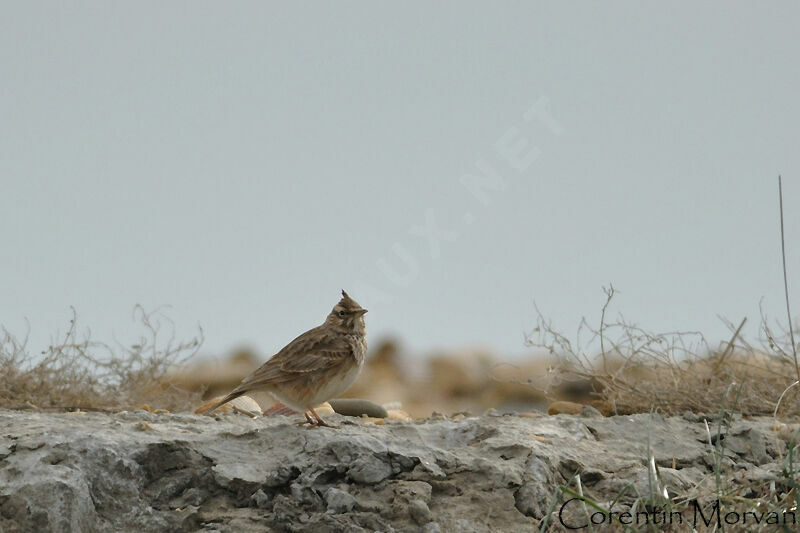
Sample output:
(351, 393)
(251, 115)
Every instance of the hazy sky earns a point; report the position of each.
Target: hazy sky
(447, 163)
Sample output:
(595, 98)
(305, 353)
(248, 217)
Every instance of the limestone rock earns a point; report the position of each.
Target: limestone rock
(98, 472)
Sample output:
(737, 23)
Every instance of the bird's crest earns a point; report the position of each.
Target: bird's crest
(348, 303)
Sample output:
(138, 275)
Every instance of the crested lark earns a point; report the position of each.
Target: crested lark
(317, 366)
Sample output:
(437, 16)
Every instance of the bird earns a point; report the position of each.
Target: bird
(317, 366)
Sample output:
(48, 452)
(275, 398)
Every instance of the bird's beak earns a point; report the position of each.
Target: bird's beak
(361, 312)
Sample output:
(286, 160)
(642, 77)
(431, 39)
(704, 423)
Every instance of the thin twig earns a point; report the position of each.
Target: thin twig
(786, 281)
(729, 348)
(609, 295)
(777, 405)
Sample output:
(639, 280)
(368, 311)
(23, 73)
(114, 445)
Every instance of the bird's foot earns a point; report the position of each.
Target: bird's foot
(308, 421)
(316, 422)
(321, 422)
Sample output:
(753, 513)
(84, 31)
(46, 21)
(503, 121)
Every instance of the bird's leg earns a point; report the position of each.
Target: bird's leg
(320, 421)
(307, 421)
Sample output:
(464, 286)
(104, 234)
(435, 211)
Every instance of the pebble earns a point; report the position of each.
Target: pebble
(565, 408)
(398, 414)
(144, 426)
(419, 512)
(339, 501)
(590, 412)
(325, 409)
(242, 404)
(358, 407)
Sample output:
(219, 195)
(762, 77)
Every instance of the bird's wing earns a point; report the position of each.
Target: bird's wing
(309, 353)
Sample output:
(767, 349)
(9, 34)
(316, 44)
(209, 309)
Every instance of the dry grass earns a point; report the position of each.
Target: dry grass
(636, 371)
(79, 373)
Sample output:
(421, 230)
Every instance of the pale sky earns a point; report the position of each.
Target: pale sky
(243, 162)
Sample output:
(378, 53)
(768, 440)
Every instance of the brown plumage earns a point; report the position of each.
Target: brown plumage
(315, 367)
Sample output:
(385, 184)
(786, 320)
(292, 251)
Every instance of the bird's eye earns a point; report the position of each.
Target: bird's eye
(340, 313)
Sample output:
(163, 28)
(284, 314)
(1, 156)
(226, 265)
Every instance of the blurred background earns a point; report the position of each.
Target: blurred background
(452, 166)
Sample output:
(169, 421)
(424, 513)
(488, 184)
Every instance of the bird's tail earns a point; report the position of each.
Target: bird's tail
(211, 407)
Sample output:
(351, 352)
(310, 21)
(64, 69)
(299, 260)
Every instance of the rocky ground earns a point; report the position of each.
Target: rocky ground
(138, 471)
